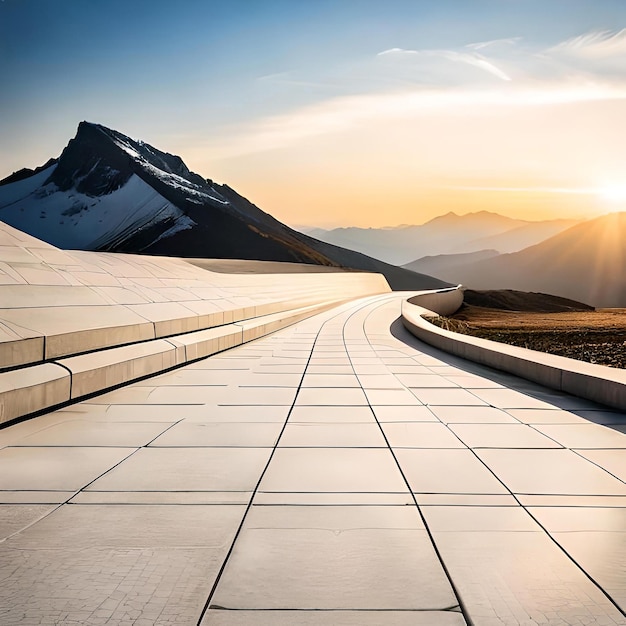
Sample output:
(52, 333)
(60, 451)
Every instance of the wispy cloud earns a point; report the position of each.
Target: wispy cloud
(602, 44)
(469, 58)
(481, 45)
(474, 60)
(341, 114)
(396, 51)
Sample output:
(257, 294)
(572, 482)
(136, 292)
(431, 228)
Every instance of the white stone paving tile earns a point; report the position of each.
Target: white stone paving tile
(545, 416)
(560, 472)
(324, 396)
(613, 461)
(472, 415)
(501, 436)
(263, 378)
(447, 397)
(479, 518)
(334, 558)
(410, 368)
(414, 413)
(426, 381)
(16, 517)
(447, 471)
(209, 378)
(334, 435)
(332, 470)
(506, 573)
(468, 381)
(220, 434)
(585, 436)
(121, 564)
(393, 397)
(329, 369)
(240, 413)
(170, 413)
(371, 370)
(257, 396)
(331, 414)
(330, 380)
(192, 394)
(510, 399)
(58, 468)
(35, 496)
(379, 381)
(186, 469)
(85, 433)
(420, 435)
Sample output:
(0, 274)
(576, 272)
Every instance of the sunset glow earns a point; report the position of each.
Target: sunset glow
(615, 194)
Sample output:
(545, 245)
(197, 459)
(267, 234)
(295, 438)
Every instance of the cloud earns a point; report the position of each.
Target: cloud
(481, 45)
(396, 51)
(474, 59)
(596, 45)
(595, 55)
(341, 114)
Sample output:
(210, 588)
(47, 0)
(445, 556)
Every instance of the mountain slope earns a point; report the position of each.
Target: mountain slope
(517, 239)
(586, 263)
(446, 234)
(109, 192)
(441, 262)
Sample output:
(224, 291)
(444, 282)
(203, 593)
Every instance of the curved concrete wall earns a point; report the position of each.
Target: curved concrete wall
(440, 301)
(599, 383)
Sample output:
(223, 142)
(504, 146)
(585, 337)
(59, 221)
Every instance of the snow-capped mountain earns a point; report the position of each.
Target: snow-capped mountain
(110, 192)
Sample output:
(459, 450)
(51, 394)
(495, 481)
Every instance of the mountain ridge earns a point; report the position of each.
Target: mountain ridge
(445, 234)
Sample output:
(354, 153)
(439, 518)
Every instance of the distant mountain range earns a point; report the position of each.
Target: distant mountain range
(449, 262)
(109, 192)
(587, 263)
(446, 234)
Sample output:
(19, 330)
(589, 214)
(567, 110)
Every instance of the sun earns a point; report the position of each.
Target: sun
(614, 194)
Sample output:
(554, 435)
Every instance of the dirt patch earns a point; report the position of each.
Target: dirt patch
(594, 336)
(511, 300)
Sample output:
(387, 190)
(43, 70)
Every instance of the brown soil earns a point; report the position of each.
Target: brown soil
(511, 300)
(593, 336)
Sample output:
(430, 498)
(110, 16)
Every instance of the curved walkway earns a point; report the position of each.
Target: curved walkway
(337, 472)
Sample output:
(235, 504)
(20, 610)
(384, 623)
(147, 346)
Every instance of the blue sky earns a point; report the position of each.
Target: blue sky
(248, 91)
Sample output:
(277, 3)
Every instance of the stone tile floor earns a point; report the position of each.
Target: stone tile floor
(337, 472)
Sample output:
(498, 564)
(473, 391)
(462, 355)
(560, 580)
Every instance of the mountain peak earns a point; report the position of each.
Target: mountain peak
(476, 216)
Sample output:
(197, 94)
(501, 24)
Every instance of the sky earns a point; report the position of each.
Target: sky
(337, 112)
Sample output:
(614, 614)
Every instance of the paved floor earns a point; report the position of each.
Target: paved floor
(338, 472)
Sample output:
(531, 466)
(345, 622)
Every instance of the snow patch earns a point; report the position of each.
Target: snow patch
(72, 220)
(182, 223)
(14, 192)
